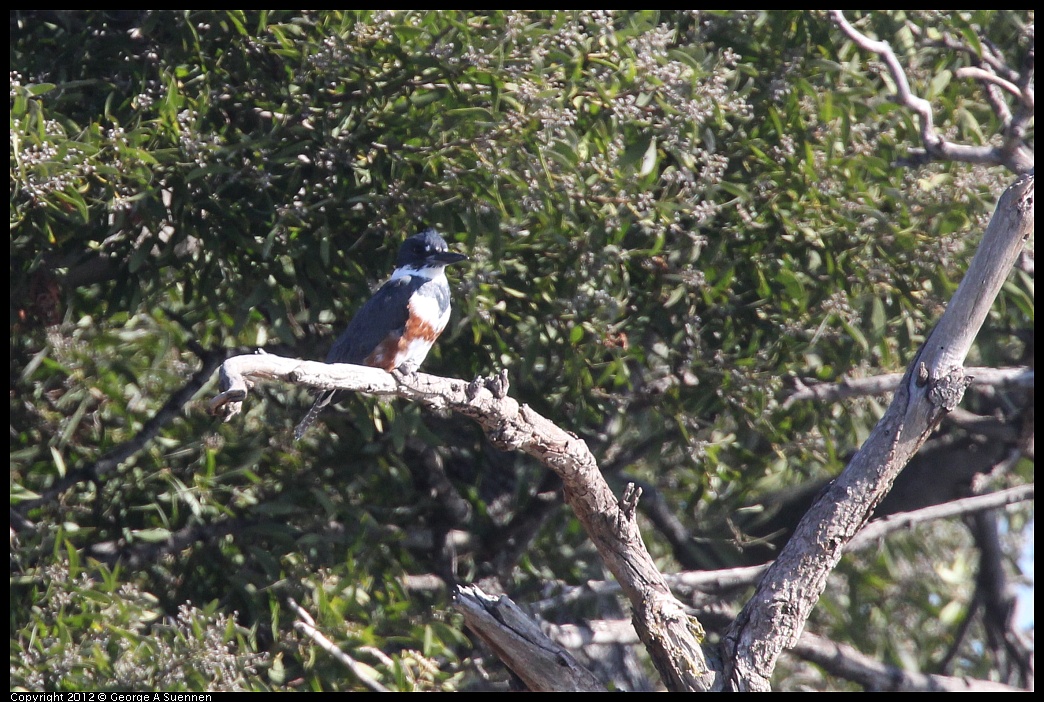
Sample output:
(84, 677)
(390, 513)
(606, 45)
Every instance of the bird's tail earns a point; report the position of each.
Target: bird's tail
(321, 401)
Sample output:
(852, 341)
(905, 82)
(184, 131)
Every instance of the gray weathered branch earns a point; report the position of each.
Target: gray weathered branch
(1013, 153)
(807, 389)
(672, 637)
(847, 662)
(933, 385)
(516, 638)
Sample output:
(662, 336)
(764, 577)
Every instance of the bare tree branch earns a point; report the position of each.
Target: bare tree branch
(988, 426)
(774, 617)
(879, 528)
(810, 389)
(670, 635)
(985, 76)
(988, 58)
(306, 625)
(542, 664)
(1014, 154)
(933, 385)
(617, 632)
(848, 663)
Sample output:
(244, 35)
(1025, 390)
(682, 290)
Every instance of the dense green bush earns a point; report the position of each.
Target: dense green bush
(670, 216)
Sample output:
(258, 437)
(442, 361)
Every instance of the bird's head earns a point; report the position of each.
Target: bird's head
(426, 250)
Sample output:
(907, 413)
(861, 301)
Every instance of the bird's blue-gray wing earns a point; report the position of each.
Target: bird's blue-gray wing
(384, 313)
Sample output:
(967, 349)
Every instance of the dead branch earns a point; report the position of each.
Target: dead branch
(671, 636)
(809, 389)
(542, 664)
(934, 384)
(1013, 154)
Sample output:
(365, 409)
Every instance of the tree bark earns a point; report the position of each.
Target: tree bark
(934, 383)
(672, 637)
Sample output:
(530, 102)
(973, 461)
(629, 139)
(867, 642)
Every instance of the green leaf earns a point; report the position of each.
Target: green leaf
(37, 89)
(156, 535)
(59, 462)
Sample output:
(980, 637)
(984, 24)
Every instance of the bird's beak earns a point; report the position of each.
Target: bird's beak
(447, 257)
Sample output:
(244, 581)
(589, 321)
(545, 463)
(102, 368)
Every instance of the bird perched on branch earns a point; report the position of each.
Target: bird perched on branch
(396, 328)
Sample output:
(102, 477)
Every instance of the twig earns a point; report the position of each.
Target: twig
(1014, 155)
(849, 663)
(306, 625)
(806, 389)
(976, 73)
(879, 528)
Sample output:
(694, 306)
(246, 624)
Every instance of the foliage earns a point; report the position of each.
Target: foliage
(669, 215)
(96, 633)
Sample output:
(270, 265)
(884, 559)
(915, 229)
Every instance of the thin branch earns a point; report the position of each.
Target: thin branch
(1014, 155)
(976, 73)
(170, 410)
(570, 594)
(987, 54)
(603, 632)
(809, 389)
(879, 528)
(989, 427)
(306, 625)
(904, 95)
(994, 63)
(847, 662)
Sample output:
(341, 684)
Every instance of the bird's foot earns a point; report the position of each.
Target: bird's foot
(403, 372)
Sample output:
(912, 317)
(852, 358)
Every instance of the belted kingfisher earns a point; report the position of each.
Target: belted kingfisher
(397, 326)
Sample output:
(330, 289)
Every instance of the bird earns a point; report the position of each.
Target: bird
(397, 327)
